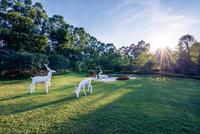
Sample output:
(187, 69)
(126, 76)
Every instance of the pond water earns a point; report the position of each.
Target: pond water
(109, 79)
(113, 77)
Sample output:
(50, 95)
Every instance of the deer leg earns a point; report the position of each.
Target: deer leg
(90, 88)
(31, 86)
(84, 90)
(46, 87)
(77, 94)
(49, 83)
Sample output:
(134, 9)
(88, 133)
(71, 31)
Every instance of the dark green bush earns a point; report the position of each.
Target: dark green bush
(14, 64)
(58, 62)
(117, 68)
(129, 68)
(91, 73)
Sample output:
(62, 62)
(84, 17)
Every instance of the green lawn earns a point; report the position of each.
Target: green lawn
(147, 104)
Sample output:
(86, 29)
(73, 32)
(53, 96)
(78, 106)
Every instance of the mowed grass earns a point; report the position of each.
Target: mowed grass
(147, 104)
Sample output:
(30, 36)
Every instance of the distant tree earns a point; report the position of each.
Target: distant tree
(185, 42)
(195, 55)
(145, 59)
(135, 50)
(184, 62)
(136, 55)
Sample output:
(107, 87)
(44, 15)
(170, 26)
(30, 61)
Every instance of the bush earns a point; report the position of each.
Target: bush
(91, 73)
(117, 68)
(91, 65)
(58, 62)
(15, 64)
(123, 78)
(129, 68)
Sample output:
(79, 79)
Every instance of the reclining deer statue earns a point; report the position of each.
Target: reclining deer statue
(40, 79)
(101, 75)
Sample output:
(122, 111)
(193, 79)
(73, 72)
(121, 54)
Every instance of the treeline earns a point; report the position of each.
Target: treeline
(29, 38)
(185, 59)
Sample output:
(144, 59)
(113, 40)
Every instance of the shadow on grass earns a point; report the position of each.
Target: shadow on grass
(26, 107)
(16, 97)
(9, 109)
(12, 82)
(151, 106)
(138, 111)
(36, 93)
(26, 101)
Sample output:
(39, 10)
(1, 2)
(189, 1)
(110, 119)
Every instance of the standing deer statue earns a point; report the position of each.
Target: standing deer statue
(40, 79)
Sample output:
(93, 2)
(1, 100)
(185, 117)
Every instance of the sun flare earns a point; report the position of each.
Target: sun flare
(161, 42)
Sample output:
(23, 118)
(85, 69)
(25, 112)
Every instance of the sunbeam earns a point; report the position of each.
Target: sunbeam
(165, 59)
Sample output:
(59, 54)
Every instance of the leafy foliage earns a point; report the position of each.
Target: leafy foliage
(13, 64)
(25, 27)
(58, 62)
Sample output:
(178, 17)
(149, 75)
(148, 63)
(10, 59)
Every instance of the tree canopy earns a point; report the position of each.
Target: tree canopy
(27, 30)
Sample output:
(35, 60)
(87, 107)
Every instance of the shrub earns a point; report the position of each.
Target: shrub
(123, 78)
(58, 62)
(15, 64)
(117, 68)
(130, 68)
(91, 73)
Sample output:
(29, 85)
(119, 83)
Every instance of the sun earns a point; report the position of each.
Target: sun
(161, 42)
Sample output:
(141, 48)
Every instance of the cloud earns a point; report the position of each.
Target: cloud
(158, 24)
(123, 22)
(166, 27)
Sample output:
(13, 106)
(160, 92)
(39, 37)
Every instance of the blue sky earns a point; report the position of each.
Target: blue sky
(123, 22)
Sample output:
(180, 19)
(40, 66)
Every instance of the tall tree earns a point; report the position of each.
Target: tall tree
(18, 28)
(195, 55)
(185, 42)
(184, 61)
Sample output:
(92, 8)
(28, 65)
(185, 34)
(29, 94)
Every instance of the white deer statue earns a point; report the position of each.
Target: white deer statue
(40, 79)
(82, 85)
(101, 75)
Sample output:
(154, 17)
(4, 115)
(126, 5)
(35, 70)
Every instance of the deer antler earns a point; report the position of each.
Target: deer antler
(46, 66)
